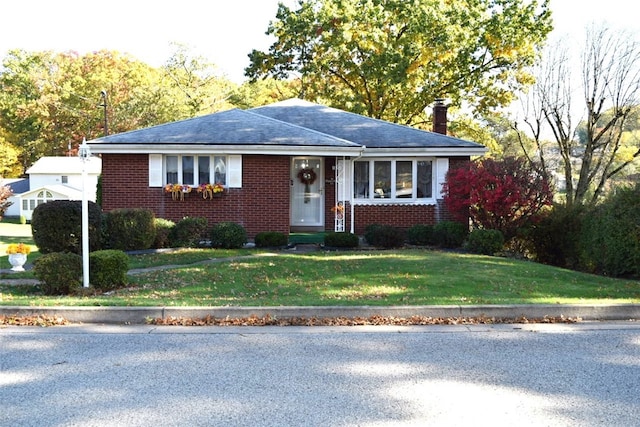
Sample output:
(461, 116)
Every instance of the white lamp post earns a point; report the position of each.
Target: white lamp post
(85, 153)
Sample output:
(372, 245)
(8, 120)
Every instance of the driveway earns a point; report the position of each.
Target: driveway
(584, 374)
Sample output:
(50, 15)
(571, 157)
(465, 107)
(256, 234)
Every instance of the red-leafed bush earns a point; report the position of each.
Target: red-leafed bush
(500, 195)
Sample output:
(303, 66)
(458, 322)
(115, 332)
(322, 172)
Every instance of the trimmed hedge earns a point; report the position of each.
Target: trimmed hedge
(228, 235)
(130, 229)
(108, 269)
(421, 235)
(163, 231)
(341, 240)
(56, 226)
(384, 236)
(188, 232)
(59, 273)
(270, 239)
(485, 242)
(450, 234)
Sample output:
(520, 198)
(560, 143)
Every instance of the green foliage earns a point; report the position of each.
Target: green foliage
(611, 235)
(108, 269)
(56, 226)
(555, 240)
(270, 239)
(188, 232)
(421, 235)
(450, 234)
(46, 98)
(130, 229)
(228, 235)
(163, 231)
(59, 273)
(341, 240)
(486, 242)
(384, 236)
(377, 57)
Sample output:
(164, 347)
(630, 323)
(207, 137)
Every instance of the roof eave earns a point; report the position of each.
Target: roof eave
(225, 149)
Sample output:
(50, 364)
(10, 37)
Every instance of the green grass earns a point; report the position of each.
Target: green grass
(399, 277)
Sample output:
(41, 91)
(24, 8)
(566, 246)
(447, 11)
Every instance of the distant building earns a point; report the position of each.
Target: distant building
(52, 178)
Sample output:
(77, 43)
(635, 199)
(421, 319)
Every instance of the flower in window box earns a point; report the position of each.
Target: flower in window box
(177, 191)
(208, 191)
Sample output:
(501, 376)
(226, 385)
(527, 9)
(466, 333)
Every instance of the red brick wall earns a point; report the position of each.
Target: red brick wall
(262, 204)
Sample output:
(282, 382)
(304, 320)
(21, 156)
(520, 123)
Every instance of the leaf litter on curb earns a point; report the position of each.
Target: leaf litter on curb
(43, 320)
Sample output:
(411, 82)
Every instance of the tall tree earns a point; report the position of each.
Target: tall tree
(390, 59)
(50, 101)
(592, 150)
(197, 82)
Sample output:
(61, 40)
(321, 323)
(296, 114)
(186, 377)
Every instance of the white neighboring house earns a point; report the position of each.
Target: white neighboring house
(52, 178)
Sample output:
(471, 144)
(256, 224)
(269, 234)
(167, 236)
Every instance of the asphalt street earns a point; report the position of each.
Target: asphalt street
(585, 374)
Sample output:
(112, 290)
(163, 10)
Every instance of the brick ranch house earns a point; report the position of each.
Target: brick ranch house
(291, 166)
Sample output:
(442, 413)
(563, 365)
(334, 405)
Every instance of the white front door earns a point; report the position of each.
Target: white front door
(307, 192)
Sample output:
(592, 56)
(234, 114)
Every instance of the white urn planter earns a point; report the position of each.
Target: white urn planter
(17, 261)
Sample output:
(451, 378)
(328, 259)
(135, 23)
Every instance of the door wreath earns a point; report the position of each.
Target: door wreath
(307, 176)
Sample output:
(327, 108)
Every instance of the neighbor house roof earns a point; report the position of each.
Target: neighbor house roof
(60, 189)
(70, 165)
(294, 127)
(17, 185)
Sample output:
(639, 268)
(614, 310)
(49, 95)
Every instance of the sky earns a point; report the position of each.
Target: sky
(223, 31)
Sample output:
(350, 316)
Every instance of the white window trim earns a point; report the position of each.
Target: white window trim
(436, 164)
(157, 168)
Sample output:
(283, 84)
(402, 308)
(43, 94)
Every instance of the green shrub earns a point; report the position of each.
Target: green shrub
(228, 235)
(163, 230)
(450, 234)
(555, 239)
(188, 232)
(130, 229)
(59, 273)
(341, 240)
(610, 242)
(23, 219)
(270, 239)
(108, 269)
(421, 234)
(486, 242)
(384, 236)
(56, 226)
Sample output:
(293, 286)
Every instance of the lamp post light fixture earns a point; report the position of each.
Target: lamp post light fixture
(84, 152)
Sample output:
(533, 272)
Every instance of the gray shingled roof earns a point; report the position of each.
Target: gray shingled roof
(362, 130)
(293, 123)
(231, 127)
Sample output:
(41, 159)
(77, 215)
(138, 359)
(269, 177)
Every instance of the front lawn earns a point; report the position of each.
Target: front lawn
(399, 277)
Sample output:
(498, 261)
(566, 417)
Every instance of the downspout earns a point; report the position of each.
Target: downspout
(351, 208)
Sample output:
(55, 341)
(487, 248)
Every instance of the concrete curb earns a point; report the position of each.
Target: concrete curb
(139, 315)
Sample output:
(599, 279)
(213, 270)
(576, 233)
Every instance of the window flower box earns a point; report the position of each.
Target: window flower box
(177, 191)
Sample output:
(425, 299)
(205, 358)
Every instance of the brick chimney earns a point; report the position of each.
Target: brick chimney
(440, 116)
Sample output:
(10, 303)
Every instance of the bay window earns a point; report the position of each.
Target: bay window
(393, 179)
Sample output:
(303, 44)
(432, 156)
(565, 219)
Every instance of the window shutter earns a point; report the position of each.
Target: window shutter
(155, 170)
(442, 167)
(235, 171)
